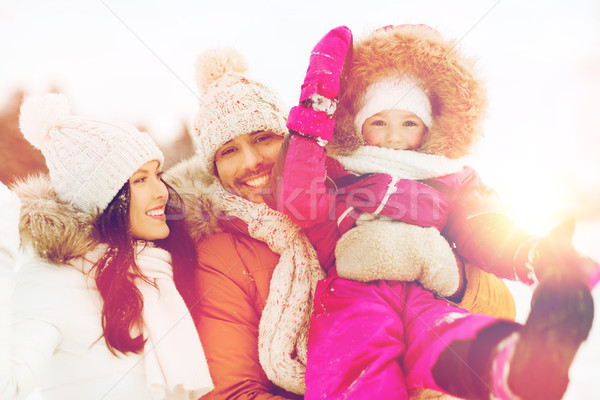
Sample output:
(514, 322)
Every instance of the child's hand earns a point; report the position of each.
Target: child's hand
(321, 85)
(555, 256)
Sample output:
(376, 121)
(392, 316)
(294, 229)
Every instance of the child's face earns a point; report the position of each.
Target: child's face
(394, 129)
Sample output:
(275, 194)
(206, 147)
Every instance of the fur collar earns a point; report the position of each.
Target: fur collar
(56, 231)
(193, 184)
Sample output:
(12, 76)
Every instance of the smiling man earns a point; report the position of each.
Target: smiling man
(243, 164)
(235, 303)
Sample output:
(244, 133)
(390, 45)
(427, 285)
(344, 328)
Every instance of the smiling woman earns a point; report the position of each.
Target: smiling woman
(97, 310)
(149, 196)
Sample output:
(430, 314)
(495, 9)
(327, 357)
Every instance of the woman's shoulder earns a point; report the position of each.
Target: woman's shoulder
(53, 292)
(53, 281)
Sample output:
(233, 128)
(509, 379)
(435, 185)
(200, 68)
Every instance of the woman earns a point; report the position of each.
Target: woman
(96, 313)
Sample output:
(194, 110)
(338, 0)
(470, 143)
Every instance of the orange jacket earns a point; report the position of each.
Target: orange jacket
(232, 285)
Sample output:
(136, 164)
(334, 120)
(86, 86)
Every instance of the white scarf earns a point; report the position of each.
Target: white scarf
(175, 364)
(283, 328)
(403, 164)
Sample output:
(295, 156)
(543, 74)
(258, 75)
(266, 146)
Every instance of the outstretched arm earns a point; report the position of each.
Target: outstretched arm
(300, 173)
(486, 236)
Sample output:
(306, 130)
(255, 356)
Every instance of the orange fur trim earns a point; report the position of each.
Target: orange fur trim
(457, 95)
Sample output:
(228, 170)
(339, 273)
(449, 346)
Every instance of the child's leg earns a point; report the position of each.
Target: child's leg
(431, 325)
(521, 362)
(356, 342)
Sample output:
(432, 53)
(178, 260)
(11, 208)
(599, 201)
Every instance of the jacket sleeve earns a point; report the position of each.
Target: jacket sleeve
(227, 311)
(299, 182)
(485, 235)
(27, 339)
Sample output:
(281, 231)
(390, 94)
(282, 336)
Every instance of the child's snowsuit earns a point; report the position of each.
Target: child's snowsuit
(381, 339)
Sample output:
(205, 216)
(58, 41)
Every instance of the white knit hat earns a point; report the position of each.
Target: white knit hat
(231, 104)
(89, 160)
(394, 94)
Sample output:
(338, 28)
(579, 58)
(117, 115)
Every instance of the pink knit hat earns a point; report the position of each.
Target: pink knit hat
(230, 104)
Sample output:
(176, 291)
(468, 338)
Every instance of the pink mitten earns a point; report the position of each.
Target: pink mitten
(321, 85)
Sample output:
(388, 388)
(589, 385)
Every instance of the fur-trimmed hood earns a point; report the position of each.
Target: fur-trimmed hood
(55, 231)
(193, 184)
(58, 232)
(458, 98)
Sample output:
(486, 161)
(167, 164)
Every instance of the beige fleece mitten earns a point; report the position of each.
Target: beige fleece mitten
(381, 248)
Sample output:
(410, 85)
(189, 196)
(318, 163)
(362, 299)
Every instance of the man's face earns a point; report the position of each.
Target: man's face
(244, 164)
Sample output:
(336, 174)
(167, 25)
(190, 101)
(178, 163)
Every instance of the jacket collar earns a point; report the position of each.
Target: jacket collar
(55, 230)
(194, 186)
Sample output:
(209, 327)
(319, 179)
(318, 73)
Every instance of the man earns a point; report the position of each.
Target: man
(240, 130)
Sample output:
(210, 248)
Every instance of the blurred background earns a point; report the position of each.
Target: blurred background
(134, 61)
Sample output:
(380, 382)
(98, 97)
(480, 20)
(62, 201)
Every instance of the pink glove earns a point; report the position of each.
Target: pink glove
(321, 86)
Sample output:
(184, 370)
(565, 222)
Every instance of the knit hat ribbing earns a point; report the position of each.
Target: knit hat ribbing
(88, 160)
(394, 94)
(231, 104)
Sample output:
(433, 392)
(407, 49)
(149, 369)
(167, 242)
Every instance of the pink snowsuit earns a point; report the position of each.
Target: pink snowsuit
(380, 339)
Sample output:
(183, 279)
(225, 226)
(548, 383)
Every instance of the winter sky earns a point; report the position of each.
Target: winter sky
(133, 60)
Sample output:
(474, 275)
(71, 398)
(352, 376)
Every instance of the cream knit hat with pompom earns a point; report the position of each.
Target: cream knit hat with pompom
(89, 160)
(231, 104)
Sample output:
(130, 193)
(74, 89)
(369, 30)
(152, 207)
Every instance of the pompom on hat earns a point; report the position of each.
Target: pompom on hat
(89, 160)
(231, 104)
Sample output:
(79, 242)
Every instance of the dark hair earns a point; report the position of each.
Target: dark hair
(116, 271)
(180, 244)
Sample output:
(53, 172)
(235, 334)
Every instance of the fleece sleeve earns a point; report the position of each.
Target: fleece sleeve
(483, 232)
(26, 342)
(299, 182)
(226, 310)
(27, 339)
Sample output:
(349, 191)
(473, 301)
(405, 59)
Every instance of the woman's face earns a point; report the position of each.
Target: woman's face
(149, 196)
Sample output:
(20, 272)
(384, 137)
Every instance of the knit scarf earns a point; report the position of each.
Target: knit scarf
(283, 328)
(402, 164)
(175, 364)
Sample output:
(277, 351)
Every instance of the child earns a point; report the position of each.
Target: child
(371, 339)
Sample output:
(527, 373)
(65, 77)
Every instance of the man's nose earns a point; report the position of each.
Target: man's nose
(252, 158)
